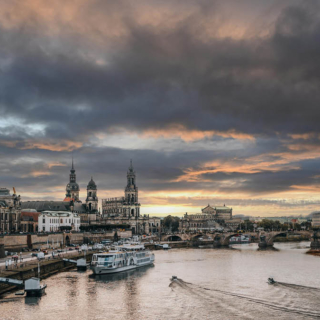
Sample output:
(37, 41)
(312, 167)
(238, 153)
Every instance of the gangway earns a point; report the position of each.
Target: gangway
(81, 263)
(32, 286)
(14, 282)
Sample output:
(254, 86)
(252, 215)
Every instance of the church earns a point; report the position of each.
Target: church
(120, 211)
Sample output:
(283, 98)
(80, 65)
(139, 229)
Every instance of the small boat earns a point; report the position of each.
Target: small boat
(165, 246)
(174, 278)
(271, 281)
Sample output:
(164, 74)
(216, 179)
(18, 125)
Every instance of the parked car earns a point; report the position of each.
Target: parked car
(44, 251)
(59, 250)
(34, 254)
(70, 249)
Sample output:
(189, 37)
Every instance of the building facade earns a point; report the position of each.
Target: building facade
(210, 219)
(198, 222)
(316, 220)
(55, 221)
(220, 213)
(29, 221)
(127, 206)
(87, 211)
(10, 211)
(126, 210)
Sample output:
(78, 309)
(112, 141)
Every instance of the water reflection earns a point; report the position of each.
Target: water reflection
(215, 284)
(32, 300)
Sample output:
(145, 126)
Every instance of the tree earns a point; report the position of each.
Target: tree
(171, 224)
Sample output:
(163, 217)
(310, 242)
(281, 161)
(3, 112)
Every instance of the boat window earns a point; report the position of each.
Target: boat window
(105, 258)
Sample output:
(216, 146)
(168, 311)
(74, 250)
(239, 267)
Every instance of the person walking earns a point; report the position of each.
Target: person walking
(6, 264)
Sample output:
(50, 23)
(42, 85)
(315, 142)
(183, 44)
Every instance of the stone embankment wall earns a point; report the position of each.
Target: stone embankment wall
(19, 241)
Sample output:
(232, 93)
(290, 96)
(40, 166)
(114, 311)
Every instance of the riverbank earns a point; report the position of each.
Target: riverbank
(47, 268)
(314, 252)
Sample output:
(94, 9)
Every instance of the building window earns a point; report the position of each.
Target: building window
(43, 220)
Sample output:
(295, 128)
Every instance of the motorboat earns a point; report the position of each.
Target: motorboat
(271, 281)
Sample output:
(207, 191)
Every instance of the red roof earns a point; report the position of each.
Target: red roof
(31, 215)
(68, 199)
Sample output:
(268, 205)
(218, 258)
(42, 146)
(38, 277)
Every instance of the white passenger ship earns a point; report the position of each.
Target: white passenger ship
(123, 258)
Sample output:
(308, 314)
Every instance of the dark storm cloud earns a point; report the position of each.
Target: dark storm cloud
(154, 78)
(60, 90)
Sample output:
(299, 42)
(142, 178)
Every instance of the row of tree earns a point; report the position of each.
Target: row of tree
(171, 224)
(274, 225)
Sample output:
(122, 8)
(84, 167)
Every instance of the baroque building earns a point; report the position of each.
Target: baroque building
(71, 203)
(126, 210)
(10, 211)
(72, 189)
(209, 219)
(127, 206)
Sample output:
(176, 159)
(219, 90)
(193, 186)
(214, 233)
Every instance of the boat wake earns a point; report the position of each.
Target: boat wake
(296, 286)
(211, 294)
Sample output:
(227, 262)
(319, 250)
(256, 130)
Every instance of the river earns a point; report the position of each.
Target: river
(212, 284)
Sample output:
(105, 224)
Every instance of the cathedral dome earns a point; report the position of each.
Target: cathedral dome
(91, 185)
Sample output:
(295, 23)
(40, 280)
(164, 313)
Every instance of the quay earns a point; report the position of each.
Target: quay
(48, 267)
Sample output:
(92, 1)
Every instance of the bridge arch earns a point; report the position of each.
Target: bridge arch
(224, 239)
(174, 238)
(197, 236)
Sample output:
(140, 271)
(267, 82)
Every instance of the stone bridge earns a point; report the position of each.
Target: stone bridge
(266, 238)
(222, 239)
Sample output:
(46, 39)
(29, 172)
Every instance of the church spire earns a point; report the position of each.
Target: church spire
(131, 166)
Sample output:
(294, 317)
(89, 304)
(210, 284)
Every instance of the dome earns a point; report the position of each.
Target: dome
(92, 185)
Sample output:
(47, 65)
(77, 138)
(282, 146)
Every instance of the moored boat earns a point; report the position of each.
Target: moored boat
(121, 259)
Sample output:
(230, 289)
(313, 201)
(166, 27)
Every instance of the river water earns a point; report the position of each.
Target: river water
(212, 284)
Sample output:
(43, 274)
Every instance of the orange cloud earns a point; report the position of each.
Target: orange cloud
(193, 135)
(52, 145)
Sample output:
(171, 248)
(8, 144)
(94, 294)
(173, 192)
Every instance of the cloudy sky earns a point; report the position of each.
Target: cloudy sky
(215, 101)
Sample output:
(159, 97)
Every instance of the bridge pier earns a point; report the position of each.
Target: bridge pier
(265, 242)
(315, 241)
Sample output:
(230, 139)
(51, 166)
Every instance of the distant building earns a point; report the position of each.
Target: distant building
(198, 222)
(87, 211)
(29, 221)
(316, 220)
(223, 213)
(10, 211)
(126, 210)
(211, 218)
(127, 206)
(54, 221)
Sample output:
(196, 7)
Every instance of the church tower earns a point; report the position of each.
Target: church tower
(72, 188)
(92, 199)
(131, 192)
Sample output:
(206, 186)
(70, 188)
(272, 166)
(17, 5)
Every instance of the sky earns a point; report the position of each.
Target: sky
(214, 101)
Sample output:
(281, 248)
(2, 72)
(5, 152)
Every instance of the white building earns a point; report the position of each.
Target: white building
(51, 221)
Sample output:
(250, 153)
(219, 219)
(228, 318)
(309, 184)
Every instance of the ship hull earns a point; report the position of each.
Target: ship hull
(104, 270)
